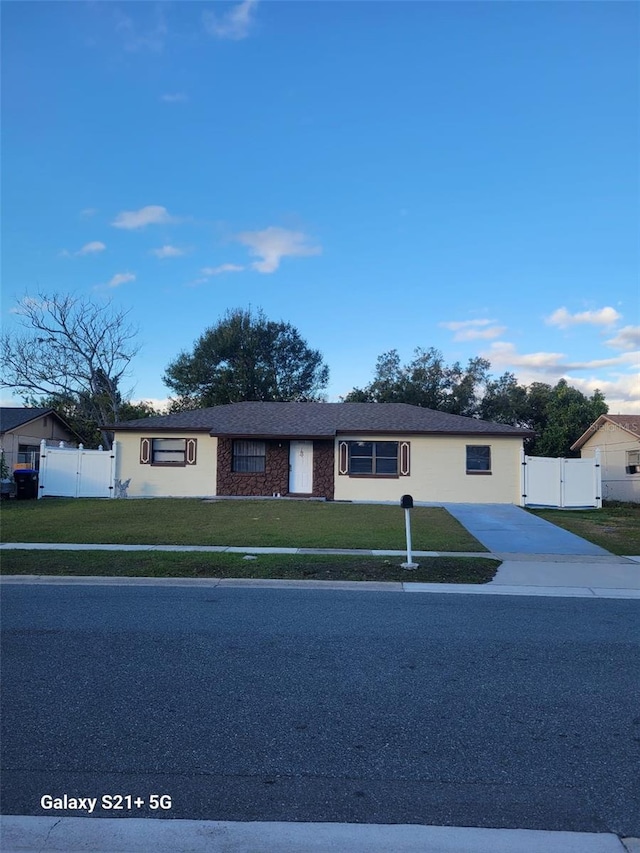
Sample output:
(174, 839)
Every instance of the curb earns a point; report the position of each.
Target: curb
(139, 835)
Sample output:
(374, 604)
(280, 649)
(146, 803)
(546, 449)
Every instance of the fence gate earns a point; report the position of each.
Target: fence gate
(73, 472)
(561, 482)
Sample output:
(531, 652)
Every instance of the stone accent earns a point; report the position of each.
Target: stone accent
(275, 477)
(323, 469)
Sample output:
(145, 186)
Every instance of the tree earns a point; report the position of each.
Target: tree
(426, 381)
(560, 415)
(246, 357)
(79, 416)
(74, 352)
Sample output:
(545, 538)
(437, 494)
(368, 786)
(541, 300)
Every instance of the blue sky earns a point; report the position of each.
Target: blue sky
(379, 174)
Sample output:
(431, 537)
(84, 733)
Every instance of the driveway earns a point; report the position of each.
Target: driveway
(504, 528)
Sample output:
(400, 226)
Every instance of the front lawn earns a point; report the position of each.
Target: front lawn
(267, 523)
(162, 564)
(615, 527)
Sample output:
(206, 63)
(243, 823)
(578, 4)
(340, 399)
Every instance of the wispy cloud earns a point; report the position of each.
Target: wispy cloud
(88, 212)
(121, 278)
(504, 354)
(627, 338)
(474, 330)
(152, 214)
(235, 24)
(563, 319)
(174, 97)
(134, 37)
(168, 252)
(91, 248)
(219, 270)
(273, 244)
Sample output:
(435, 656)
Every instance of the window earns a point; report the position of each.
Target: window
(168, 451)
(249, 457)
(376, 458)
(478, 459)
(633, 461)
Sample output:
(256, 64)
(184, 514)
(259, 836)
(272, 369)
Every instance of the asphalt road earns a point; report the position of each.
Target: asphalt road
(259, 704)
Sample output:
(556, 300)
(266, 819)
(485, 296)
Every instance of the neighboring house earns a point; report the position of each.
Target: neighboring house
(22, 430)
(336, 451)
(618, 439)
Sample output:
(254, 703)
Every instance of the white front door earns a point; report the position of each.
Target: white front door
(301, 467)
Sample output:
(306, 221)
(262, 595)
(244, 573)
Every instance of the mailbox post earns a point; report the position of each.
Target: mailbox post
(406, 502)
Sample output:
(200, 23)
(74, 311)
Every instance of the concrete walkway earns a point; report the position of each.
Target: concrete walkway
(506, 528)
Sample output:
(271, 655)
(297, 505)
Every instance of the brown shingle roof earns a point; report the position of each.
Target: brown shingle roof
(319, 420)
(630, 423)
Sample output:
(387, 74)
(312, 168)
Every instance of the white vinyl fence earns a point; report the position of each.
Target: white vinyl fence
(561, 483)
(73, 472)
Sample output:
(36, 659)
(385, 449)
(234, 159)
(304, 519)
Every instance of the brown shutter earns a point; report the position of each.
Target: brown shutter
(145, 451)
(343, 458)
(190, 455)
(405, 458)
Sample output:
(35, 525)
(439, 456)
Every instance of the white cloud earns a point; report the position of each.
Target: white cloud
(91, 248)
(88, 212)
(167, 252)
(627, 338)
(563, 319)
(622, 393)
(504, 354)
(121, 278)
(134, 38)
(174, 97)
(474, 330)
(234, 24)
(152, 214)
(209, 271)
(272, 244)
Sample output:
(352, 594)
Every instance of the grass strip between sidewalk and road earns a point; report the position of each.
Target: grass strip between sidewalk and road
(242, 523)
(163, 564)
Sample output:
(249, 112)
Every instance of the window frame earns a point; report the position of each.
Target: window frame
(374, 473)
(247, 456)
(148, 451)
(478, 471)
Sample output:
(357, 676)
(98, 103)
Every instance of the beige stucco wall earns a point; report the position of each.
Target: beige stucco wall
(438, 472)
(614, 442)
(152, 481)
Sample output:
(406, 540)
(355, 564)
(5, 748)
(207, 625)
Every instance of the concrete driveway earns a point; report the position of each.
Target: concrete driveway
(508, 529)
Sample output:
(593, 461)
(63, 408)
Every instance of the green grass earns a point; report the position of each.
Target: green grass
(615, 527)
(268, 523)
(336, 567)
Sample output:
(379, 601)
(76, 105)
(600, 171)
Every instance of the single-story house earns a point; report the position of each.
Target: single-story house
(336, 451)
(22, 430)
(618, 439)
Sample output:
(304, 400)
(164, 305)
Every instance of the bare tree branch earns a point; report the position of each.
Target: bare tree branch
(71, 348)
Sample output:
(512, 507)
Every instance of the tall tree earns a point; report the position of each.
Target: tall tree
(559, 415)
(247, 357)
(426, 381)
(71, 351)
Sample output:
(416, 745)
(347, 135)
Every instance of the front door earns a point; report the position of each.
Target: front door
(301, 467)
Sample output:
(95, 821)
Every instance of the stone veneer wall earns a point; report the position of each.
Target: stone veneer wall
(275, 478)
(276, 475)
(323, 469)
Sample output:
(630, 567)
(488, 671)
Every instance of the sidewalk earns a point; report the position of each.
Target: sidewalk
(139, 835)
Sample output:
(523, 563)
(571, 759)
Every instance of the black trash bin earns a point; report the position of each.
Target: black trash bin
(26, 483)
